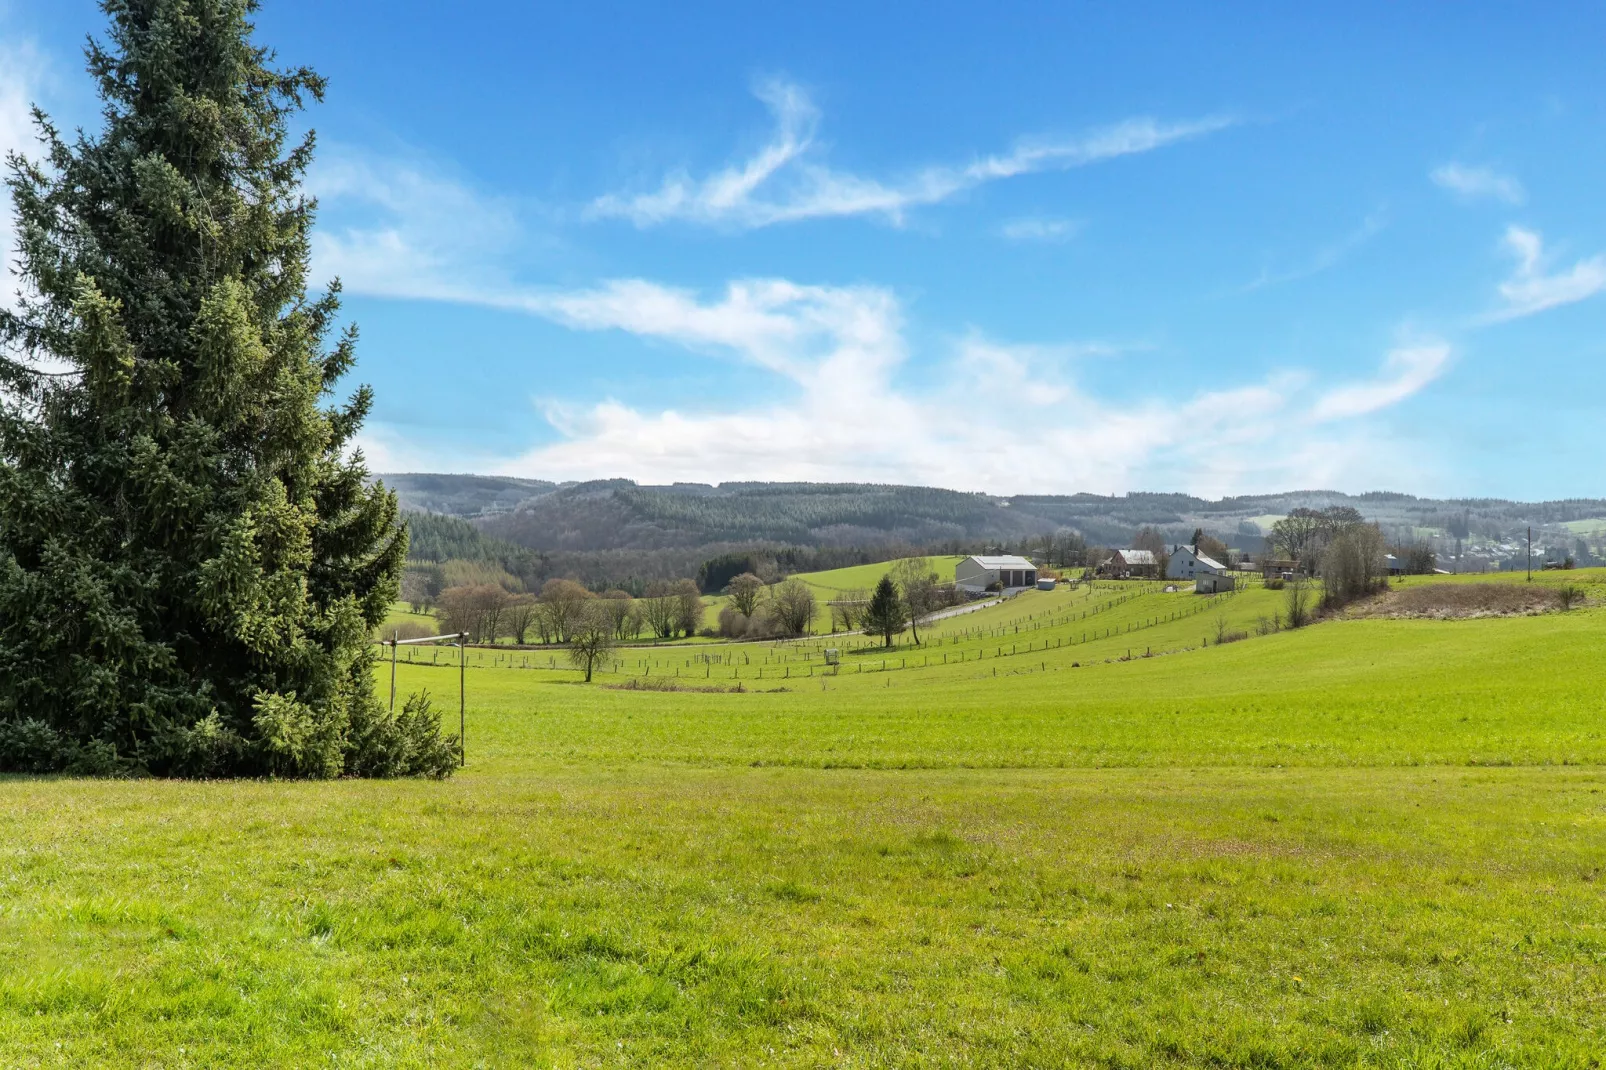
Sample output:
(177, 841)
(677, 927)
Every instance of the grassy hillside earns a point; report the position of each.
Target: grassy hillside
(840, 582)
(1364, 843)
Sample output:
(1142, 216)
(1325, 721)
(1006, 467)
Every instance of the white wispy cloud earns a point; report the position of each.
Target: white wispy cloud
(1530, 289)
(1039, 229)
(785, 180)
(1326, 257)
(399, 228)
(1406, 370)
(1477, 183)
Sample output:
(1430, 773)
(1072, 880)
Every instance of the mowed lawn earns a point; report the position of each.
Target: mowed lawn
(1366, 843)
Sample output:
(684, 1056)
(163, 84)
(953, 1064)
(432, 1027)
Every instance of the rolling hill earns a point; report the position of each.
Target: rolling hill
(622, 515)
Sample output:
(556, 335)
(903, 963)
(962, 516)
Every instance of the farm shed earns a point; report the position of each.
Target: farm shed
(979, 573)
(1125, 564)
(1188, 563)
(1214, 583)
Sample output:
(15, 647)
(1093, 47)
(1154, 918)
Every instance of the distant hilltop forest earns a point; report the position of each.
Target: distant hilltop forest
(612, 532)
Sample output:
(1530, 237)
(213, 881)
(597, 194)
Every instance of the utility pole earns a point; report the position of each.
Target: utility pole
(1530, 554)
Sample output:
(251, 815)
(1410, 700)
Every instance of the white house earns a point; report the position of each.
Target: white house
(1187, 563)
(976, 574)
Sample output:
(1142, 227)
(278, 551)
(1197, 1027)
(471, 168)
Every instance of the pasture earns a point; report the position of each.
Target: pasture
(1072, 829)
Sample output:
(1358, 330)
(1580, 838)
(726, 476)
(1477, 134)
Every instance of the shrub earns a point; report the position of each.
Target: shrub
(409, 743)
(1298, 605)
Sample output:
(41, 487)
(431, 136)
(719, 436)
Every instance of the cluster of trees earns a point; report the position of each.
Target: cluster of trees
(1304, 534)
(907, 593)
(760, 611)
(1337, 544)
(563, 609)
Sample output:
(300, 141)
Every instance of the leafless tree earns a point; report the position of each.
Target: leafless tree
(475, 609)
(847, 610)
(661, 609)
(590, 637)
(688, 607)
(1353, 564)
(521, 614)
(1296, 535)
(562, 603)
(620, 610)
(1298, 603)
(917, 586)
(793, 606)
(744, 591)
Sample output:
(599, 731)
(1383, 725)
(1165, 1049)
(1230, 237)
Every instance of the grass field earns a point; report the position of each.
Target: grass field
(1363, 843)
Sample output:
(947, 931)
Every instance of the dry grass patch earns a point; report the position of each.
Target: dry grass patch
(1447, 601)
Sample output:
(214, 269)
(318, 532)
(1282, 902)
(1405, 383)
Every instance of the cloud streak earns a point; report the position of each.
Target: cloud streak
(1406, 370)
(1530, 289)
(1039, 229)
(786, 181)
(1326, 257)
(1478, 183)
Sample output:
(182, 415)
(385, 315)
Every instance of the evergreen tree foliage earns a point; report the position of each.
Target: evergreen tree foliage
(190, 559)
(885, 616)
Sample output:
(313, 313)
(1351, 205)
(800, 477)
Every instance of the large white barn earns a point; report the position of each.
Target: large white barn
(977, 574)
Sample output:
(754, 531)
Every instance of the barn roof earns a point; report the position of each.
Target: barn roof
(1137, 557)
(1008, 561)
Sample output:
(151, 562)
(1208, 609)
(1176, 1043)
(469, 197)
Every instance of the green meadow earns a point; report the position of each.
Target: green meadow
(1074, 829)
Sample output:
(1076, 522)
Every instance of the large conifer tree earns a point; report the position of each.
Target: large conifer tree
(191, 560)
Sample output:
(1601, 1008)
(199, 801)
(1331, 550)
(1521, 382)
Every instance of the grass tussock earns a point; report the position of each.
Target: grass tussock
(1452, 601)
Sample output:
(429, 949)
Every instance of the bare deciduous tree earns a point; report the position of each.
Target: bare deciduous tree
(620, 610)
(688, 607)
(793, 606)
(744, 591)
(562, 604)
(521, 613)
(475, 609)
(661, 609)
(847, 610)
(1353, 564)
(917, 586)
(590, 637)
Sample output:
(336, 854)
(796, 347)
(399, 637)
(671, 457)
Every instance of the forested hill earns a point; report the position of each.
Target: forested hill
(622, 515)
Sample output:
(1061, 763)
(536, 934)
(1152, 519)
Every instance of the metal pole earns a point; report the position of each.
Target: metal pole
(394, 635)
(1530, 555)
(462, 721)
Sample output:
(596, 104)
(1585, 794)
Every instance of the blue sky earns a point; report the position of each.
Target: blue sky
(1095, 249)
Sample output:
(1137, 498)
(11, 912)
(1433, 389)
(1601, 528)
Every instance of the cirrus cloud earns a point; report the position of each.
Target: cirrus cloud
(785, 180)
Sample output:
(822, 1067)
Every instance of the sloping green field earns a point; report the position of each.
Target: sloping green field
(1023, 843)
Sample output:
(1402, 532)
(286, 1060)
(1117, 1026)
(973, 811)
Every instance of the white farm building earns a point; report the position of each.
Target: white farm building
(1208, 575)
(1187, 563)
(974, 575)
